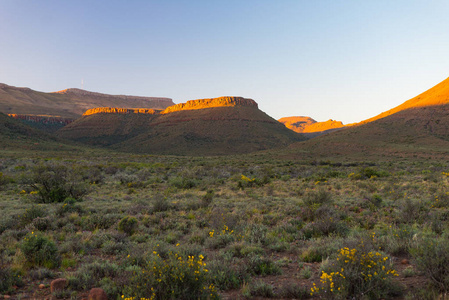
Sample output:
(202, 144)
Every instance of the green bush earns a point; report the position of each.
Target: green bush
(89, 275)
(263, 266)
(432, 258)
(39, 251)
(54, 183)
(8, 278)
(227, 276)
(128, 225)
(258, 289)
(183, 182)
(318, 197)
(175, 277)
(31, 213)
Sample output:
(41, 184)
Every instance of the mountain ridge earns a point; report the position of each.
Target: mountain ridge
(69, 103)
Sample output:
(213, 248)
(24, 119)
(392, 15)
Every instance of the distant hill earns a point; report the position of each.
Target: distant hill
(217, 126)
(69, 103)
(309, 127)
(417, 128)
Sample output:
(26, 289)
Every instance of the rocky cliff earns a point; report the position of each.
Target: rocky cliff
(211, 102)
(118, 110)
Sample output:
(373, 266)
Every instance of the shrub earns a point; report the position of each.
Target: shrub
(128, 225)
(54, 183)
(263, 266)
(258, 289)
(319, 197)
(227, 276)
(39, 251)
(293, 291)
(357, 273)
(256, 234)
(183, 182)
(35, 211)
(161, 204)
(89, 275)
(432, 258)
(41, 273)
(207, 198)
(175, 277)
(3, 180)
(8, 278)
(68, 206)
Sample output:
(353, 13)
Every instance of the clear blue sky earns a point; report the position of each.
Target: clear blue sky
(345, 60)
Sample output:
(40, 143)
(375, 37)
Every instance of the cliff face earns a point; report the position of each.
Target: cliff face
(117, 110)
(42, 119)
(211, 102)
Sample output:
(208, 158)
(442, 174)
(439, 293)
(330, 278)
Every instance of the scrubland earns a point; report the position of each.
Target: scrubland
(159, 227)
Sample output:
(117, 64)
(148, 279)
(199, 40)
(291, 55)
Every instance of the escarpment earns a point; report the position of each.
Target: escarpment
(118, 110)
(211, 102)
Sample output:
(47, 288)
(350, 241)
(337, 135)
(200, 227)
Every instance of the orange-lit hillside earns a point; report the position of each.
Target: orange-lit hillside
(309, 126)
(437, 95)
(417, 128)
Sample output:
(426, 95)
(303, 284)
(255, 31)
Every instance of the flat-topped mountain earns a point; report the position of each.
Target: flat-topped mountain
(69, 103)
(309, 127)
(224, 125)
(417, 128)
(212, 102)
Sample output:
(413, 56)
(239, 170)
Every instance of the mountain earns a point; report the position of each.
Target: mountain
(417, 128)
(69, 103)
(309, 127)
(216, 126)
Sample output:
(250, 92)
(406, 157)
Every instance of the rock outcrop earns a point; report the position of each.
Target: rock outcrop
(211, 102)
(118, 110)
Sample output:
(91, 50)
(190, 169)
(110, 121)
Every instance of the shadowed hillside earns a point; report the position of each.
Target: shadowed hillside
(417, 128)
(16, 137)
(225, 125)
(69, 103)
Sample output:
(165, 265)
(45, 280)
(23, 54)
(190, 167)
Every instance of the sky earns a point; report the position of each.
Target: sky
(326, 59)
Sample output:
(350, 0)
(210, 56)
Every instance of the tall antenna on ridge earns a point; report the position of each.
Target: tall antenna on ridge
(82, 83)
